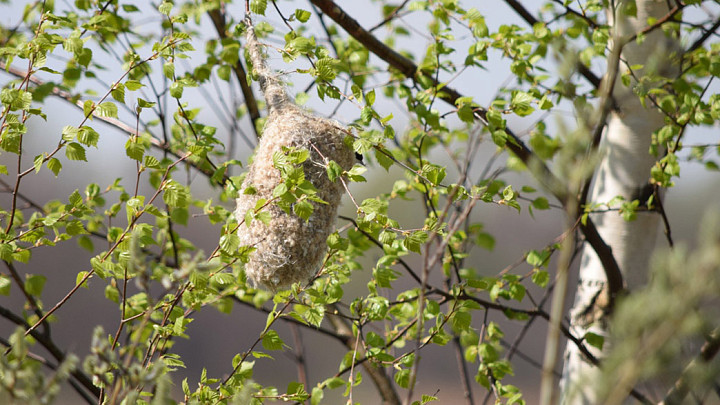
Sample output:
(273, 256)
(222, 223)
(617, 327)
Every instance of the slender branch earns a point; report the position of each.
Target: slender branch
(522, 11)
(578, 14)
(492, 304)
(30, 299)
(658, 23)
(377, 243)
(379, 377)
(299, 355)
(324, 331)
(704, 37)
(120, 239)
(218, 19)
(390, 16)
(605, 254)
(53, 349)
(708, 351)
(557, 309)
(661, 209)
(462, 367)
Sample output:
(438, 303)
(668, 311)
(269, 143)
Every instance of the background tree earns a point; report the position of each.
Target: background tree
(608, 92)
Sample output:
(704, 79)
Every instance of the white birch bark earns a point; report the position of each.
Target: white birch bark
(624, 171)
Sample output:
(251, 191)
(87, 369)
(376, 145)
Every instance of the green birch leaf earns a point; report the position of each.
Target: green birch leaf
(118, 92)
(230, 243)
(38, 162)
(303, 209)
(271, 341)
(5, 284)
(69, 133)
(107, 109)
(594, 340)
(165, 8)
(133, 85)
(258, 6)
(75, 151)
(34, 284)
(134, 149)
(302, 15)
(88, 136)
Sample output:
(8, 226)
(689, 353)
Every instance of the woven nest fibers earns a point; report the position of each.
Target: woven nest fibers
(288, 248)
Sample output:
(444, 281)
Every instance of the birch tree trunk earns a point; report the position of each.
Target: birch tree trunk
(624, 171)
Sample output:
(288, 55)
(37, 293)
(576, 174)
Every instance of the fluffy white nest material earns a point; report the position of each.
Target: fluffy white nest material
(289, 249)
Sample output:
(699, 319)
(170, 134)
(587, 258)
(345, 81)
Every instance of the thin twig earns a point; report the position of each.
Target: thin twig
(462, 367)
(708, 351)
(299, 356)
(218, 18)
(390, 16)
(120, 239)
(57, 354)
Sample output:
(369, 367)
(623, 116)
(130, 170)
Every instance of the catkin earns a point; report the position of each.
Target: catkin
(289, 249)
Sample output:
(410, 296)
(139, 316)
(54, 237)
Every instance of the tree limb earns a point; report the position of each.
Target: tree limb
(218, 19)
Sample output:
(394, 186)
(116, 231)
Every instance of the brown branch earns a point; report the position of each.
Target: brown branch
(30, 299)
(658, 23)
(661, 209)
(409, 69)
(374, 45)
(704, 37)
(377, 374)
(218, 19)
(380, 378)
(120, 239)
(299, 355)
(324, 331)
(570, 10)
(377, 243)
(462, 368)
(522, 12)
(604, 252)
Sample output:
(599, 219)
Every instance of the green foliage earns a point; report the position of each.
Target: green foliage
(403, 274)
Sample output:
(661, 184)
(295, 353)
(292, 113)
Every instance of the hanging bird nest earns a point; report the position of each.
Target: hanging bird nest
(288, 248)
